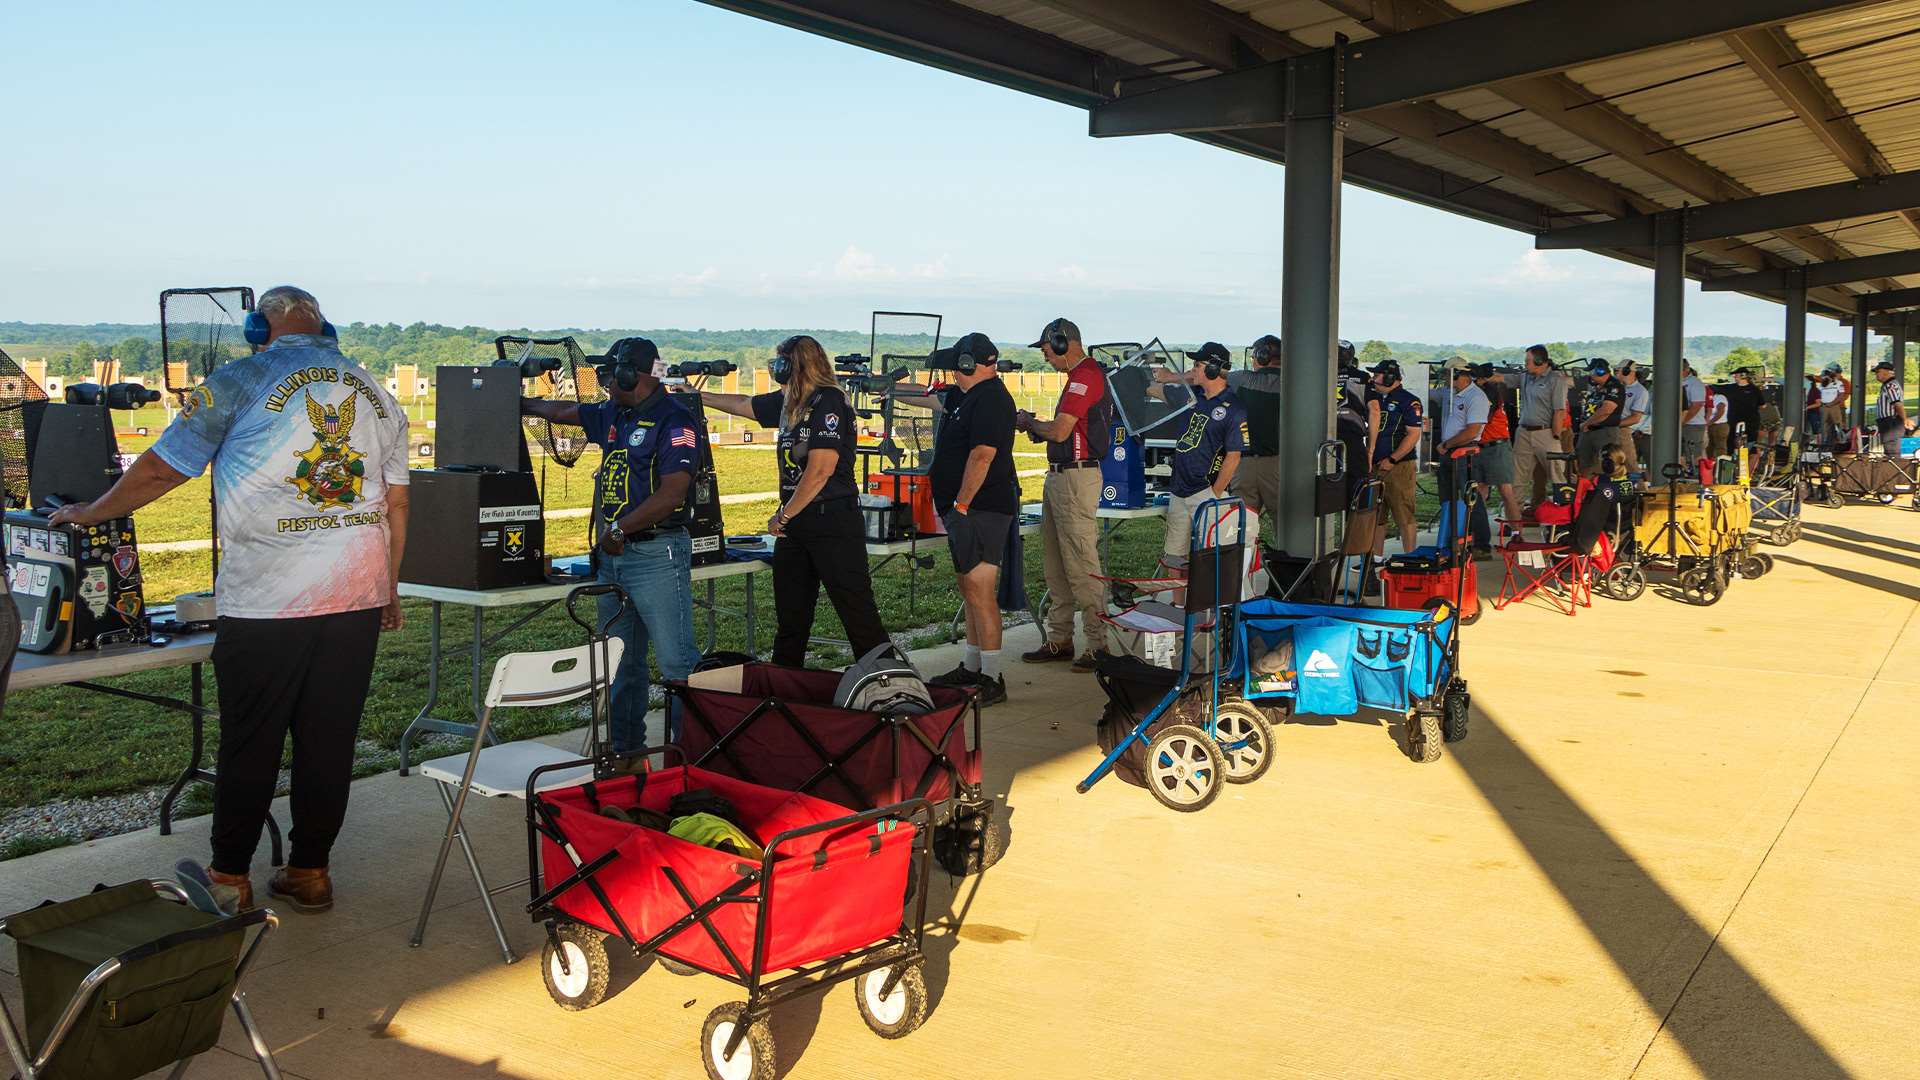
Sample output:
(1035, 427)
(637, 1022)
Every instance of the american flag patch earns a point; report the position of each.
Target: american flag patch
(683, 437)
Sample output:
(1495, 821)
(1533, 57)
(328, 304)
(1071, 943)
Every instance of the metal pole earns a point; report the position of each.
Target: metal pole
(1897, 352)
(1856, 404)
(1669, 338)
(1309, 284)
(1793, 381)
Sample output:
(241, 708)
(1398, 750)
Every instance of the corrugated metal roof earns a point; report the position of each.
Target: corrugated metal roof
(1705, 111)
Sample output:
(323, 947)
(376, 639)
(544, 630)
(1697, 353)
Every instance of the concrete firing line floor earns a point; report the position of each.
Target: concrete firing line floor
(1543, 903)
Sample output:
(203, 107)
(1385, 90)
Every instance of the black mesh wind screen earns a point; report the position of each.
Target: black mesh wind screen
(16, 390)
(200, 329)
(574, 381)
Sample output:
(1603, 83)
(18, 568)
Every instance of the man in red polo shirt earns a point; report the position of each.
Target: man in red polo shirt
(1077, 439)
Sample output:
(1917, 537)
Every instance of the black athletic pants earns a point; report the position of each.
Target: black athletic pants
(304, 676)
(828, 549)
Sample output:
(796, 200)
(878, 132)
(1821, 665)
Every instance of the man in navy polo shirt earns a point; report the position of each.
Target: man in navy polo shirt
(1205, 458)
(647, 439)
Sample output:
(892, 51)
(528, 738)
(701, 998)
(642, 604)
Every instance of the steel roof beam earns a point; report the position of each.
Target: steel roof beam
(1567, 105)
(1779, 63)
(1759, 214)
(1892, 301)
(1545, 36)
(1864, 268)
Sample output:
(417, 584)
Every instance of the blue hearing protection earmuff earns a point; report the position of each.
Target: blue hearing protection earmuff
(256, 331)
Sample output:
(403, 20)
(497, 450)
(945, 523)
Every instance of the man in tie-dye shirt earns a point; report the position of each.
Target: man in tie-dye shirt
(309, 461)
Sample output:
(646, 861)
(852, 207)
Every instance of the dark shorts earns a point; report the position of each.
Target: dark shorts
(978, 536)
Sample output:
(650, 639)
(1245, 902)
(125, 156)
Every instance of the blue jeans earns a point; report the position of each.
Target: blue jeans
(655, 575)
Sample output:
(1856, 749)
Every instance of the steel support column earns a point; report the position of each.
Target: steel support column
(1897, 352)
(1309, 284)
(1856, 403)
(1793, 381)
(1669, 338)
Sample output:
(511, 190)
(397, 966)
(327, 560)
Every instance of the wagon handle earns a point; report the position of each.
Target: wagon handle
(596, 590)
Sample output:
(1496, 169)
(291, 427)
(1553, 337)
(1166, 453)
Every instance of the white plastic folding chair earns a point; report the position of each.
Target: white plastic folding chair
(520, 680)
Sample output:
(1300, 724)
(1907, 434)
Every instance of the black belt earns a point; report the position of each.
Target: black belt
(829, 506)
(1275, 454)
(1063, 466)
(655, 533)
(1533, 427)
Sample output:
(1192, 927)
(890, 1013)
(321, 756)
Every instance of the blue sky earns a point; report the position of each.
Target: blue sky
(664, 163)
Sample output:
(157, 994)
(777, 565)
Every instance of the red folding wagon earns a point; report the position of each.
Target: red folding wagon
(778, 726)
(830, 899)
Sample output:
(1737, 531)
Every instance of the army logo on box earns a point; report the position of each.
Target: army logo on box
(330, 471)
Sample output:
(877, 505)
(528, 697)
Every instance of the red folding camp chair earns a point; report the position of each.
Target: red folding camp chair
(1561, 570)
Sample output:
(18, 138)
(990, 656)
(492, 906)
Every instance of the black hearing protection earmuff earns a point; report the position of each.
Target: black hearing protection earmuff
(964, 363)
(781, 366)
(1211, 367)
(1057, 338)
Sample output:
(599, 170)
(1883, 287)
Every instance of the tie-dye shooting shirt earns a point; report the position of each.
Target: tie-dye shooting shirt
(304, 445)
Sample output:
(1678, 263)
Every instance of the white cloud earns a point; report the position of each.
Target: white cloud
(934, 270)
(855, 264)
(1534, 268)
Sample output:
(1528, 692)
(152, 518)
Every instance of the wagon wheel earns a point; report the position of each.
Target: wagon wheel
(675, 967)
(901, 1011)
(1624, 582)
(1886, 498)
(576, 972)
(1834, 500)
(1702, 586)
(1424, 738)
(1246, 741)
(751, 1060)
(1766, 563)
(1752, 566)
(1455, 708)
(1184, 768)
(969, 843)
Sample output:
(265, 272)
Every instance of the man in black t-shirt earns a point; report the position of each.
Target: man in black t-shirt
(978, 498)
(1606, 399)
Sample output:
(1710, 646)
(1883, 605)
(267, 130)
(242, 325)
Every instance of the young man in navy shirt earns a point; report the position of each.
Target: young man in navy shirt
(1205, 458)
(647, 439)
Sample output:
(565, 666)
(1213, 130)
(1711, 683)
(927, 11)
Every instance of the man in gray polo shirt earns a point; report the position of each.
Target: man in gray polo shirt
(1543, 414)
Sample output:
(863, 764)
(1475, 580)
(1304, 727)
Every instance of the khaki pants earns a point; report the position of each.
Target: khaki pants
(1070, 539)
(1257, 483)
(1717, 435)
(1530, 463)
(1629, 454)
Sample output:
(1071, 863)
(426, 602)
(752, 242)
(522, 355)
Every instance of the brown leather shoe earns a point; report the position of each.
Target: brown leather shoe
(233, 892)
(1049, 653)
(306, 891)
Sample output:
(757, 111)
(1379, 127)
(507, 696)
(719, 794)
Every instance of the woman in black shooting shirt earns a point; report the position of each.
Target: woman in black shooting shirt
(822, 536)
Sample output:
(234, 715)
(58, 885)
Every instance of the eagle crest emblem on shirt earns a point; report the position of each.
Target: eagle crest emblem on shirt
(330, 473)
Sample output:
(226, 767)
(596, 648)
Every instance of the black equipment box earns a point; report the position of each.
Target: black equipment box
(74, 584)
(478, 423)
(469, 529)
(704, 527)
(71, 452)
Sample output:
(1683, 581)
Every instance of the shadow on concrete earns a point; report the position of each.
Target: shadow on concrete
(1866, 550)
(1856, 535)
(1638, 922)
(1901, 589)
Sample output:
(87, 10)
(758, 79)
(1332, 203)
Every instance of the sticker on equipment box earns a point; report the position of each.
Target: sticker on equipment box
(93, 590)
(509, 513)
(706, 543)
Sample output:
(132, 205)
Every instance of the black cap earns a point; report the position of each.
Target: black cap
(1748, 372)
(977, 345)
(1345, 352)
(1213, 351)
(1482, 370)
(1884, 365)
(633, 350)
(1064, 325)
(1389, 367)
(1599, 366)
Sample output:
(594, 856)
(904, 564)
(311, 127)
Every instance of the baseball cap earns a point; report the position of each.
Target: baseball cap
(977, 345)
(1598, 366)
(1265, 343)
(1213, 351)
(1064, 325)
(1389, 368)
(1884, 365)
(1831, 369)
(1482, 370)
(633, 350)
(1627, 367)
(1456, 366)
